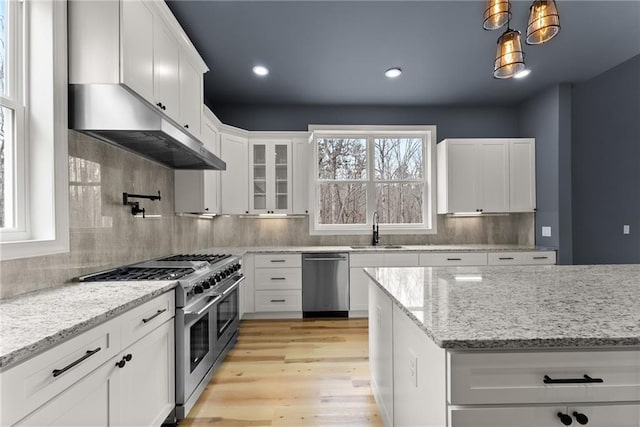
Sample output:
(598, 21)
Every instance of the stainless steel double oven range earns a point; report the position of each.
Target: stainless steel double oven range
(207, 314)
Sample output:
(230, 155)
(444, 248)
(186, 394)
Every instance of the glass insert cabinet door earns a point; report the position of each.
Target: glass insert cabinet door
(270, 180)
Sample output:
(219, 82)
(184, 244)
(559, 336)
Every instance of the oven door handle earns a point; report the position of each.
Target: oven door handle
(234, 286)
(203, 309)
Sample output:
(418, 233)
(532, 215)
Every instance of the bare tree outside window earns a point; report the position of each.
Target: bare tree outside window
(395, 179)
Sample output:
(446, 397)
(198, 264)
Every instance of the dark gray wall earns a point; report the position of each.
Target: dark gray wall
(606, 166)
(547, 118)
(451, 122)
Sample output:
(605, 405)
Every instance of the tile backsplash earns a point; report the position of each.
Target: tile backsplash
(104, 234)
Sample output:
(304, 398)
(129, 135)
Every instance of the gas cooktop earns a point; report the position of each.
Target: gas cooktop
(138, 273)
(210, 258)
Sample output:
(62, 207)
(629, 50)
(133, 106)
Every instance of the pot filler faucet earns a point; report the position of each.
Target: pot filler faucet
(376, 229)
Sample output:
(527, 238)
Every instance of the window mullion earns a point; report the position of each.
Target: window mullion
(371, 184)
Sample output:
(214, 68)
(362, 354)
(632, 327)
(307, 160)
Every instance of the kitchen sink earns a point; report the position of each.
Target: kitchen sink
(377, 247)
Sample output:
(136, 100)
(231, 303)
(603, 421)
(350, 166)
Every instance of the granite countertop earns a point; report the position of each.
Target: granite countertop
(369, 249)
(33, 322)
(524, 307)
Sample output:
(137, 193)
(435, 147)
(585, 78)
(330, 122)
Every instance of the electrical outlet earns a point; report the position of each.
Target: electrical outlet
(546, 231)
(626, 229)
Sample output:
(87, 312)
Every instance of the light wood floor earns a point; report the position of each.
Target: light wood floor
(311, 372)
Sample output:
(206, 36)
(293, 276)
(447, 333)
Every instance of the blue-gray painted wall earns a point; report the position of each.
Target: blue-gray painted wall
(452, 122)
(606, 166)
(547, 118)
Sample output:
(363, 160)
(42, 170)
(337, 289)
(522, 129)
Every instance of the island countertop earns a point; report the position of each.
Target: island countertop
(523, 307)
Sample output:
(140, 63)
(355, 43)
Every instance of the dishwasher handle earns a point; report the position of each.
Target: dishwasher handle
(327, 259)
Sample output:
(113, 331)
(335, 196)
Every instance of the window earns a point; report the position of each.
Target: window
(360, 170)
(33, 128)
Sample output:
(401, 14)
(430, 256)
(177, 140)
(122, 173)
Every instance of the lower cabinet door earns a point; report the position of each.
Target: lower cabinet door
(538, 416)
(146, 384)
(358, 290)
(89, 402)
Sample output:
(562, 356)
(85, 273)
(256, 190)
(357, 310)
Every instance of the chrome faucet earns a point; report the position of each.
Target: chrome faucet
(376, 228)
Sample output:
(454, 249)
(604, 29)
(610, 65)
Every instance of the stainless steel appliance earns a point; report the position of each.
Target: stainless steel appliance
(115, 114)
(207, 314)
(325, 284)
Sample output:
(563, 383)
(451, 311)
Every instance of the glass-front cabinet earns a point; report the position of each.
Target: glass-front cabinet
(270, 177)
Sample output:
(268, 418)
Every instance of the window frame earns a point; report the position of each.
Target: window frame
(44, 173)
(428, 135)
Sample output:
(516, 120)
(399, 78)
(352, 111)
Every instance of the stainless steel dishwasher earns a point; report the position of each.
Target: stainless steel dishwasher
(325, 284)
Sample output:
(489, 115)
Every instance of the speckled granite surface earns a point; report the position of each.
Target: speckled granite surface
(36, 321)
(519, 307)
(380, 248)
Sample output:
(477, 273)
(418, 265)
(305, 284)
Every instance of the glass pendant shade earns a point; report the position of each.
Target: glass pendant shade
(544, 22)
(509, 58)
(496, 14)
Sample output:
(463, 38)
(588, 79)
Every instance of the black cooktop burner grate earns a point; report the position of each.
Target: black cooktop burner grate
(130, 274)
(210, 258)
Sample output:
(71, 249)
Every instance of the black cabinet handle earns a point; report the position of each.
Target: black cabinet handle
(186, 126)
(586, 379)
(454, 259)
(277, 300)
(87, 355)
(506, 258)
(581, 418)
(540, 257)
(159, 104)
(565, 419)
(277, 260)
(158, 313)
(278, 278)
(124, 360)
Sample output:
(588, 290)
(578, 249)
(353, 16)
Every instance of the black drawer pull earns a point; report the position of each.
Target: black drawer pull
(158, 313)
(454, 259)
(506, 258)
(278, 300)
(278, 278)
(581, 418)
(87, 355)
(586, 379)
(565, 419)
(277, 260)
(540, 257)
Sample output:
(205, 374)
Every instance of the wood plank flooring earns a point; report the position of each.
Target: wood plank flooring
(300, 372)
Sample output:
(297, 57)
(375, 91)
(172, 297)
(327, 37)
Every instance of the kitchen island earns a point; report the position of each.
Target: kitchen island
(506, 346)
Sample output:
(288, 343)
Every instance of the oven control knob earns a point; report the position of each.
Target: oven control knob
(236, 267)
(217, 277)
(206, 284)
(198, 289)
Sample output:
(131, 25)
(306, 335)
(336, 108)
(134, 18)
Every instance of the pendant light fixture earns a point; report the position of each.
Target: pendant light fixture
(509, 57)
(544, 22)
(496, 14)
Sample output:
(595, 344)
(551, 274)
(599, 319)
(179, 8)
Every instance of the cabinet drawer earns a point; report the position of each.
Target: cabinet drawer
(522, 258)
(366, 260)
(536, 416)
(30, 384)
(278, 260)
(278, 278)
(143, 319)
(536, 377)
(278, 301)
(453, 258)
(401, 260)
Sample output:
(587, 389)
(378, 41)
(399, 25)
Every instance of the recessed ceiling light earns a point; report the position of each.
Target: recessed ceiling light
(522, 74)
(260, 70)
(392, 73)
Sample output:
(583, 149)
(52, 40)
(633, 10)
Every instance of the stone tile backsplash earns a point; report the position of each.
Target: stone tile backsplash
(104, 234)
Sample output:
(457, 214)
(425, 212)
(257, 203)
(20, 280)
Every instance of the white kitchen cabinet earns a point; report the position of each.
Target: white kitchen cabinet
(300, 182)
(138, 43)
(278, 283)
(77, 382)
(198, 191)
(381, 351)
(191, 94)
(627, 415)
(234, 185)
(146, 384)
(476, 175)
(270, 176)
(359, 281)
(522, 258)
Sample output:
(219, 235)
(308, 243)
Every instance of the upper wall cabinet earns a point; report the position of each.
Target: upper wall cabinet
(486, 175)
(234, 185)
(270, 176)
(198, 191)
(300, 176)
(140, 44)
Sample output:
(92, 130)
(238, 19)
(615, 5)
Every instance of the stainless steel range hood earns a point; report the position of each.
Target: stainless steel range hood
(114, 114)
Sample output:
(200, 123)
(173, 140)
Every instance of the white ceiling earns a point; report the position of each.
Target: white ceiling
(336, 52)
